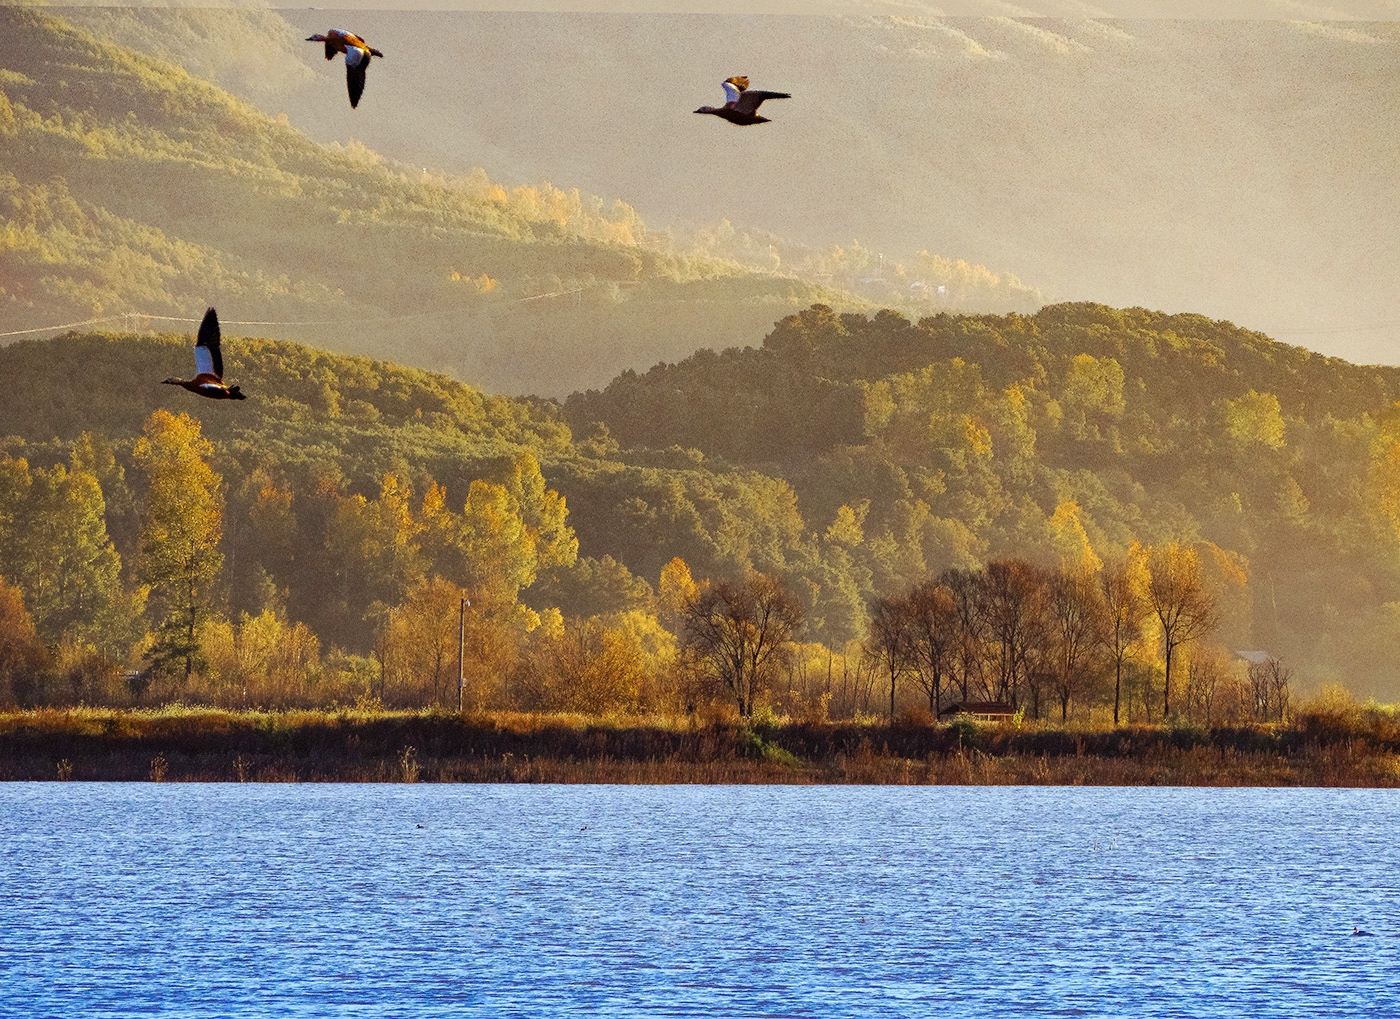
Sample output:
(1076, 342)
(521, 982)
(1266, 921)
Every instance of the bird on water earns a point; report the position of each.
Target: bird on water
(357, 56)
(741, 105)
(208, 365)
(1357, 932)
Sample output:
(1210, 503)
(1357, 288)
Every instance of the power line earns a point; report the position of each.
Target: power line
(66, 325)
(133, 315)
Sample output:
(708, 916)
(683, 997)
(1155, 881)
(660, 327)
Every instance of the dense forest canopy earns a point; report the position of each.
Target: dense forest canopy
(920, 445)
(850, 458)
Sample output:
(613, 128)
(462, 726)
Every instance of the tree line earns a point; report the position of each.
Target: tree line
(183, 584)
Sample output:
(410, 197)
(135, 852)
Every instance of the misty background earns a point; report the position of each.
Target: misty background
(1243, 170)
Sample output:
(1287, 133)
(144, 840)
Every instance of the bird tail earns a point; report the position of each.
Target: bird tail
(234, 393)
(375, 53)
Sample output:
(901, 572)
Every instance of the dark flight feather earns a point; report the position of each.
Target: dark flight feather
(209, 337)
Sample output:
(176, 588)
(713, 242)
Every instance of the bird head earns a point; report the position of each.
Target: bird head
(706, 109)
(170, 382)
(318, 37)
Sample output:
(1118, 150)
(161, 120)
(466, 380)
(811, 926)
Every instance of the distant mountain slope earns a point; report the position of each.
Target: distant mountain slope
(427, 107)
(129, 186)
(961, 437)
(1241, 169)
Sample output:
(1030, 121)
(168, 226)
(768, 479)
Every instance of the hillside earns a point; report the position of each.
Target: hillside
(321, 433)
(849, 455)
(129, 186)
(916, 446)
(259, 56)
(1237, 168)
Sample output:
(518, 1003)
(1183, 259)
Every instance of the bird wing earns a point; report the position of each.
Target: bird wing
(331, 48)
(731, 93)
(749, 102)
(208, 359)
(356, 63)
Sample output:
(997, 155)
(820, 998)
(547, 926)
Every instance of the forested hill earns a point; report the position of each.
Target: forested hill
(956, 438)
(129, 186)
(848, 455)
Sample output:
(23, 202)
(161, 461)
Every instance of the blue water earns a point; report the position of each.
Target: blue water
(307, 900)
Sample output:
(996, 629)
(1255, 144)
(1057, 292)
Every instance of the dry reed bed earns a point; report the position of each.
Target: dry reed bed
(185, 744)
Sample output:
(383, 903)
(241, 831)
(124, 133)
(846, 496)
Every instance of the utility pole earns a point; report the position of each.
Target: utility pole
(461, 646)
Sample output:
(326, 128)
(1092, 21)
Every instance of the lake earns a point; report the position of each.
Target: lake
(378, 900)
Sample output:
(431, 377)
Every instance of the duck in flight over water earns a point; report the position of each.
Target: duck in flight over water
(357, 56)
(208, 365)
(741, 105)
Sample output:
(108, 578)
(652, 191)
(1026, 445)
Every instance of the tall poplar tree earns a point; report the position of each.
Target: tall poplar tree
(181, 526)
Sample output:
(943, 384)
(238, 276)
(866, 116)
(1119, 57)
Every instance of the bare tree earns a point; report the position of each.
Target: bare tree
(1268, 686)
(1013, 601)
(933, 630)
(1185, 610)
(736, 630)
(1075, 616)
(970, 624)
(1202, 683)
(1121, 622)
(887, 641)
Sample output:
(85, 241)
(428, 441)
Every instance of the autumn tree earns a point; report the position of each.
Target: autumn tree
(181, 526)
(1013, 601)
(933, 637)
(422, 667)
(736, 630)
(675, 589)
(969, 619)
(23, 658)
(1184, 608)
(1074, 613)
(1120, 590)
(887, 641)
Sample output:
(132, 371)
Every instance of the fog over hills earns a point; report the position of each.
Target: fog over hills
(1238, 169)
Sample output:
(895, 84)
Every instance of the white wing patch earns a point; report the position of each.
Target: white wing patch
(731, 92)
(354, 55)
(203, 361)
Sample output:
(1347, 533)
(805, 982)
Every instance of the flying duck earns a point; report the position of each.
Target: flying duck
(741, 105)
(357, 55)
(208, 365)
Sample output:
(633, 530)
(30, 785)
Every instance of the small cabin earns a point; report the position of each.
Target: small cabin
(979, 711)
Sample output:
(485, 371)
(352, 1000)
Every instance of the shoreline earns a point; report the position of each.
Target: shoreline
(210, 745)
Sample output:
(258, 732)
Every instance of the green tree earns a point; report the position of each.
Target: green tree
(181, 526)
(73, 579)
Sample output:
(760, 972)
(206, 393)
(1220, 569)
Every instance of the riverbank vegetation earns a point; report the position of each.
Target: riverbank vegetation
(1330, 741)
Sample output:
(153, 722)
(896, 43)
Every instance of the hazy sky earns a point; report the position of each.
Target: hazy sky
(1244, 170)
(1359, 10)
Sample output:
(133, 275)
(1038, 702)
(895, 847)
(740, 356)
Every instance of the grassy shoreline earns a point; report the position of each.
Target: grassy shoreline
(193, 744)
